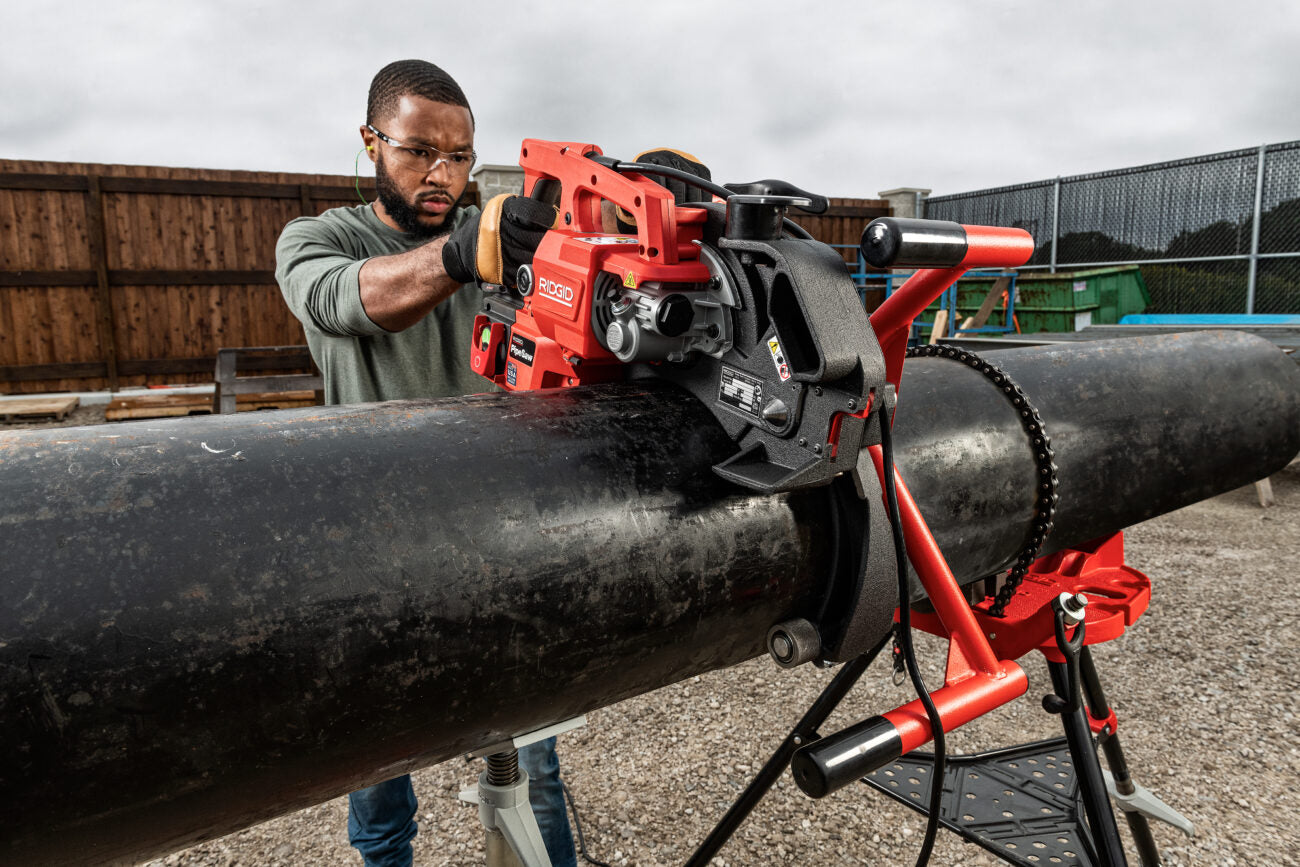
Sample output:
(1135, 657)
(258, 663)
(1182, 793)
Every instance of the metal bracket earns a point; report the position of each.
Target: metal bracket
(520, 741)
(1142, 801)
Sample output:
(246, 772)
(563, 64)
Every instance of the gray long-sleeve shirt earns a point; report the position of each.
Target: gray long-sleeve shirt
(318, 266)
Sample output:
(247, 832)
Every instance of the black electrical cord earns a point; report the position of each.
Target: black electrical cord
(905, 641)
(680, 174)
(577, 826)
(700, 183)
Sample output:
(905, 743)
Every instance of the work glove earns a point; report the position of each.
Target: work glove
(683, 193)
(490, 247)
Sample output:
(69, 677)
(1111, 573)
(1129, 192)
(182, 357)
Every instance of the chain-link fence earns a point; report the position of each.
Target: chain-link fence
(1213, 234)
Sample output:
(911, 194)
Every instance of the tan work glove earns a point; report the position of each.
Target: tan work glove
(490, 247)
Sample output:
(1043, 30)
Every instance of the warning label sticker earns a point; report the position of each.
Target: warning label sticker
(630, 280)
(601, 240)
(740, 390)
(778, 358)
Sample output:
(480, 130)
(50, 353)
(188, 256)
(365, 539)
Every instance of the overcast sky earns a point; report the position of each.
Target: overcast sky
(844, 98)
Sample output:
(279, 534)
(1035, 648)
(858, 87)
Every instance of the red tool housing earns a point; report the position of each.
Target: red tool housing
(552, 342)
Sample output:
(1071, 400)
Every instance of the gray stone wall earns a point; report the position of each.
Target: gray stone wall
(903, 200)
(494, 179)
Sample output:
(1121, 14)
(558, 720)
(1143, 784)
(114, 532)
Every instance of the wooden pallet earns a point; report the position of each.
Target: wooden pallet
(38, 408)
(171, 405)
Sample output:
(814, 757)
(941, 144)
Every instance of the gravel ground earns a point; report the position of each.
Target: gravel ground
(1200, 685)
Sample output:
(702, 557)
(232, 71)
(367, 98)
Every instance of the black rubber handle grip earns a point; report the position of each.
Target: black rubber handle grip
(547, 190)
(895, 242)
(833, 762)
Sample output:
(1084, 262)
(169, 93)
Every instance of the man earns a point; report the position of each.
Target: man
(386, 296)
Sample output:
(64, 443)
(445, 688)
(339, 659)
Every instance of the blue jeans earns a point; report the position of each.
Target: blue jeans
(381, 819)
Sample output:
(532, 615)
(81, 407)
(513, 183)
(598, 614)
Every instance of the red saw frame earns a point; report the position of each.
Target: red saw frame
(978, 677)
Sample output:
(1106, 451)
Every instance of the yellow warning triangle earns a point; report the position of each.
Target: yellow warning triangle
(630, 280)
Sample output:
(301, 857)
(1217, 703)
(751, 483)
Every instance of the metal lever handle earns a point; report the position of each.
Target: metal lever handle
(801, 199)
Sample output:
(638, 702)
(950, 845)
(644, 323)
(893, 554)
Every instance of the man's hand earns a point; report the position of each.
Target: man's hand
(491, 247)
(683, 193)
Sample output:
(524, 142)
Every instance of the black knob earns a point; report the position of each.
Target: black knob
(674, 315)
(794, 642)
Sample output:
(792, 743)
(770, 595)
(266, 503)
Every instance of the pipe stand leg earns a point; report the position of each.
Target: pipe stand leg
(803, 731)
(1099, 708)
(1087, 768)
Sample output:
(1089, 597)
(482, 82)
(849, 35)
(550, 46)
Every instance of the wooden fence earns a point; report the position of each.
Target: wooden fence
(114, 276)
(843, 222)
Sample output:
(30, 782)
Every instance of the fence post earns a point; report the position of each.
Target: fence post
(98, 240)
(1254, 230)
(1056, 217)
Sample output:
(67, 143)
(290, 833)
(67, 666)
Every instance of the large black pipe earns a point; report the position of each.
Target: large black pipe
(211, 621)
(1140, 427)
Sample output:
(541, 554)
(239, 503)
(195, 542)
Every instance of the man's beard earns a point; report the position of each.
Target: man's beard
(403, 213)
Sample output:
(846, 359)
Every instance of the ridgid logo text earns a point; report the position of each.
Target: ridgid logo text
(557, 291)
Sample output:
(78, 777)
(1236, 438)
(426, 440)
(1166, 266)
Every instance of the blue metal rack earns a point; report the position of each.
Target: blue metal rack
(948, 301)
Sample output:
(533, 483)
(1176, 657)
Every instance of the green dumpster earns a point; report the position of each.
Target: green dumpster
(1065, 301)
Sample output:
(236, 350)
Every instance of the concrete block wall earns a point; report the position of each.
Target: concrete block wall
(904, 200)
(495, 179)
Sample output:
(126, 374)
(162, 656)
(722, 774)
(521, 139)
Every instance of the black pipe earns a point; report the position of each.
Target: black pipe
(1141, 426)
(208, 622)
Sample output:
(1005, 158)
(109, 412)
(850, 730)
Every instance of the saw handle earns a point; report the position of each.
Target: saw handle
(584, 180)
